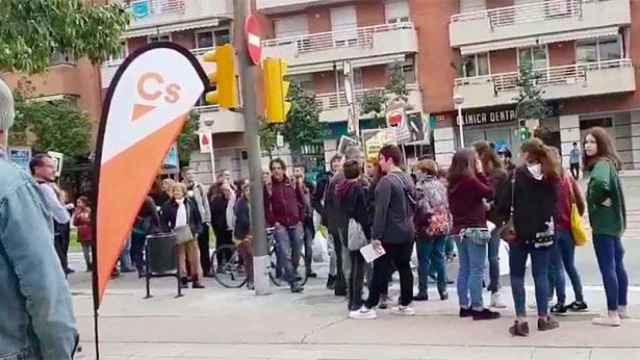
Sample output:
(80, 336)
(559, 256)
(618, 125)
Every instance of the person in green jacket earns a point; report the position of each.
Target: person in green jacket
(607, 214)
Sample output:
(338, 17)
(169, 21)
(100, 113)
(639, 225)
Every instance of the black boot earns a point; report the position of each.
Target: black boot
(331, 282)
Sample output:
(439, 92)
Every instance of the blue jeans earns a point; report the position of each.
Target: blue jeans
(563, 258)
(289, 241)
(610, 254)
(540, 261)
(125, 258)
(431, 256)
(472, 256)
(494, 261)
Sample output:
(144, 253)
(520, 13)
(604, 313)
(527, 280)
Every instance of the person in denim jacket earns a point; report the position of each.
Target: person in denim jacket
(36, 311)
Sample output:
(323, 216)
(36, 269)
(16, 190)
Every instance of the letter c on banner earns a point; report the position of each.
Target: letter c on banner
(142, 82)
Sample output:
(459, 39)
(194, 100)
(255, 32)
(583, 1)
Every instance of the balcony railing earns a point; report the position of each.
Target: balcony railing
(114, 63)
(527, 13)
(356, 37)
(330, 101)
(143, 9)
(558, 75)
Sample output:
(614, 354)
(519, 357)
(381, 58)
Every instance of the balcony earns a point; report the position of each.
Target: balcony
(279, 6)
(219, 121)
(535, 19)
(150, 14)
(109, 68)
(561, 82)
(368, 45)
(335, 108)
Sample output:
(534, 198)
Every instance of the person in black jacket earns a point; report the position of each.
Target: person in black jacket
(221, 221)
(533, 189)
(318, 204)
(181, 216)
(147, 223)
(352, 195)
(242, 232)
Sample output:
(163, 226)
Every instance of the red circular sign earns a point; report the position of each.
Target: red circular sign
(254, 38)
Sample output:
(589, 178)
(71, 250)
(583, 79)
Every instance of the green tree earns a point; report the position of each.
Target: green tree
(56, 125)
(375, 102)
(188, 140)
(529, 103)
(268, 137)
(303, 124)
(33, 30)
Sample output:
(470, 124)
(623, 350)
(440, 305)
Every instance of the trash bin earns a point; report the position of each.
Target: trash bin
(161, 259)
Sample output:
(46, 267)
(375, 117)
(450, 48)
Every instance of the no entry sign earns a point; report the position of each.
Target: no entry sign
(254, 38)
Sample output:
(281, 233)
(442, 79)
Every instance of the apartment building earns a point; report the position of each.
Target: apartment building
(583, 51)
(316, 38)
(200, 26)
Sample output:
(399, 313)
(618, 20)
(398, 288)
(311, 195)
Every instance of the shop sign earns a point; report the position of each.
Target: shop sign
(489, 117)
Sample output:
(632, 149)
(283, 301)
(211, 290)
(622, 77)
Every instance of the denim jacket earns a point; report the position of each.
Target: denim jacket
(36, 314)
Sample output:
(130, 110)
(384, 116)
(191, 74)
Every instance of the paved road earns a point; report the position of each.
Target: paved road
(218, 323)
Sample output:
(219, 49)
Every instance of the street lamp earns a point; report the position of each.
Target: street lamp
(458, 100)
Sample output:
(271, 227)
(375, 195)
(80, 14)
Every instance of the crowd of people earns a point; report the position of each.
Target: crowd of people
(480, 201)
(477, 204)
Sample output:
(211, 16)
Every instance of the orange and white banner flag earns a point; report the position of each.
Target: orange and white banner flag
(147, 104)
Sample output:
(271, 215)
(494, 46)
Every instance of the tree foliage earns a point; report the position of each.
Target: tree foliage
(268, 137)
(375, 102)
(188, 140)
(52, 126)
(33, 30)
(303, 124)
(530, 104)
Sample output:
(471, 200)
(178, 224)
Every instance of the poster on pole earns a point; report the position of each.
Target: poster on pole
(21, 156)
(345, 143)
(58, 159)
(146, 107)
(375, 139)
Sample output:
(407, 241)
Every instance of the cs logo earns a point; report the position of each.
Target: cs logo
(151, 87)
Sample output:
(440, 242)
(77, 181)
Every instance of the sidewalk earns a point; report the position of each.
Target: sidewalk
(218, 323)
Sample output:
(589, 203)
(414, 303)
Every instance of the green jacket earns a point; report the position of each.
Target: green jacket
(603, 185)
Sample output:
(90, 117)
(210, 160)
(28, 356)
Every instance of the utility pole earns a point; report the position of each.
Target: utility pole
(261, 258)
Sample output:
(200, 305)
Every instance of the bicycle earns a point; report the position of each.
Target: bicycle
(232, 273)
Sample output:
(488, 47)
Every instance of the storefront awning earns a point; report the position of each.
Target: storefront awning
(538, 40)
(356, 63)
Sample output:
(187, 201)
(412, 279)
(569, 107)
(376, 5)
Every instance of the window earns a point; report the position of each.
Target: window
(158, 38)
(212, 38)
(537, 56)
(397, 11)
(344, 24)
(601, 122)
(601, 49)
(409, 70)
(476, 65)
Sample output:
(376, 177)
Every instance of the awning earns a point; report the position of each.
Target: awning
(538, 40)
(356, 63)
(153, 29)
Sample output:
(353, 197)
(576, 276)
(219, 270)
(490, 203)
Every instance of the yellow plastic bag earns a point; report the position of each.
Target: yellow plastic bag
(580, 237)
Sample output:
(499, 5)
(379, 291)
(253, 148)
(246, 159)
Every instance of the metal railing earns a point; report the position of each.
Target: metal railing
(116, 62)
(526, 13)
(142, 9)
(355, 37)
(329, 101)
(557, 75)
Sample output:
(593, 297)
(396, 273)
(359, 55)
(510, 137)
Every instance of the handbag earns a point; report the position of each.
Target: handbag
(183, 234)
(356, 237)
(578, 232)
(508, 231)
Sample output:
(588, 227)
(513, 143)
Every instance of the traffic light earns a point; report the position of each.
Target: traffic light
(224, 78)
(276, 90)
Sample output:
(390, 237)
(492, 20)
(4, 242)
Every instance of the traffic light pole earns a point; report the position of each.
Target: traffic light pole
(261, 258)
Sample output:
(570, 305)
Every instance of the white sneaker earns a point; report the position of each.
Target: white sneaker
(403, 310)
(496, 301)
(363, 314)
(623, 313)
(608, 320)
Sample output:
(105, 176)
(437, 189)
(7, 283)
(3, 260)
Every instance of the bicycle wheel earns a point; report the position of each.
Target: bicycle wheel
(230, 274)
